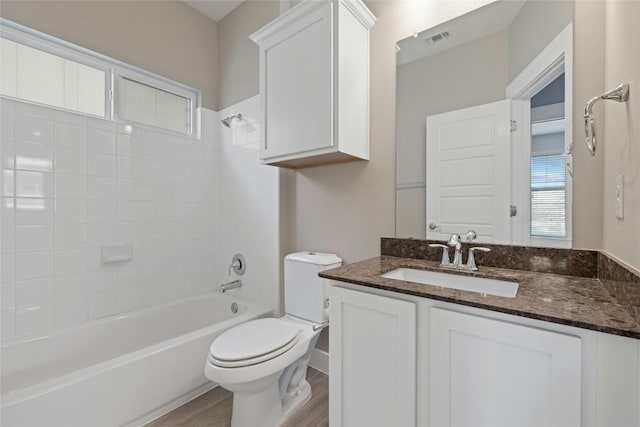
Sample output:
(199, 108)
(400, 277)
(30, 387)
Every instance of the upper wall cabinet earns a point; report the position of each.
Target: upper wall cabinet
(314, 82)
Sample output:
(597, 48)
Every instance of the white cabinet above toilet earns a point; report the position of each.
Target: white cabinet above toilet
(314, 82)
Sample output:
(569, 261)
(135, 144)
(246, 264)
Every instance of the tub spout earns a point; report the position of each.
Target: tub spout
(231, 285)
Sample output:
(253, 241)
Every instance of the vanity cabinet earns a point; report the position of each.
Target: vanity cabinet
(486, 372)
(373, 360)
(314, 84)
(398, 359)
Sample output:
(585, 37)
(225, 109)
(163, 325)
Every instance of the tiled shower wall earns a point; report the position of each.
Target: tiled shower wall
(71, 184)
(248, 203)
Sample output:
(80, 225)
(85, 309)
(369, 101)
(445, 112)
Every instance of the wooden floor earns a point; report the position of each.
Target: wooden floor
(213, 409)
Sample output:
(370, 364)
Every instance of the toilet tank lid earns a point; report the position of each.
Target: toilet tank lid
(318, 258)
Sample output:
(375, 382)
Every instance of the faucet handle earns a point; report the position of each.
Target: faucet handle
(471, 235)
(445, 253)
(471, 260)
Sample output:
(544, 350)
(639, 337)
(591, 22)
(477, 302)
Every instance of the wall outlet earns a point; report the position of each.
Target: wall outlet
(620, 197)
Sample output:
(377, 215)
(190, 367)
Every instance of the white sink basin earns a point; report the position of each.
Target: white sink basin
(500, 288)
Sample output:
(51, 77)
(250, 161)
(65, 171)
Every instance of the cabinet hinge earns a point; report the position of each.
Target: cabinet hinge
(513, 125)
(513, 210)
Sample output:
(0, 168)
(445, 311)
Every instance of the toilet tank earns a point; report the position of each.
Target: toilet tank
(305, 292)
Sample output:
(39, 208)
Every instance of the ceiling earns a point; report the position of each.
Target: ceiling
(494, 17)
(214, 9)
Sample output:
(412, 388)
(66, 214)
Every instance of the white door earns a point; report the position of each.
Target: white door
(486, 372)
(468, 173)
(372, 360)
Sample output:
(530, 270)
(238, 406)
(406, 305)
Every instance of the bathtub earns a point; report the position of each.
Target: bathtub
(122, 370)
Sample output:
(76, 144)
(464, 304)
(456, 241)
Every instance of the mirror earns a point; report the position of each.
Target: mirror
(481, 137)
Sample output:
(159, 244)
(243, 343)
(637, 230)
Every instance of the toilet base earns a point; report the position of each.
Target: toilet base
(267, 408)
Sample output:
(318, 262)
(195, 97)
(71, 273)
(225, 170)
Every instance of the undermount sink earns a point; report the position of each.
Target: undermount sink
(500, 288)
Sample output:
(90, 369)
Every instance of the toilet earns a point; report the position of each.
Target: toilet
(264, 361)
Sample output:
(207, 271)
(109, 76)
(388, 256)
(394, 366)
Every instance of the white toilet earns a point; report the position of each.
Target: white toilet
(264, 362)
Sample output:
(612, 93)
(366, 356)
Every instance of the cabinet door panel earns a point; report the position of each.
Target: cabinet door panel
(298, 86)
(372, 360)
(486, 372)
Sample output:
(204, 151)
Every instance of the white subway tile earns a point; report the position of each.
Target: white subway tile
(34, 320)
(33, 129)
(130, 300)
(7, 104)
(34, 292)
(34, 238)
(102, 164)
(6, 126)
(102, 235)
(102, 305)
(34, 157)
(8, 324)
(71, 136)
(70, 161)
(101, 141)
(129, 211)
(34, 184)
(71, 312)
(70, 261)
(7, 211)
(129, 232)
(8, 265)
(69, 117)
(70, 211)
(154, 150)
(7, 154)
(8, 239)
(102, 188)
(34, 265)
(129, 189)
(71, 186)
(73, 236)
(34, 211)
(8, 183)
(8, 296)
(101, 211)
(123, 166)
(102, 281)
(96, 123)
(70, 286)
(29, 109)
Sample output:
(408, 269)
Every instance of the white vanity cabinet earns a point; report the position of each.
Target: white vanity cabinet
(486, 372)
(314, 84)
(373, 360)
(406, 360)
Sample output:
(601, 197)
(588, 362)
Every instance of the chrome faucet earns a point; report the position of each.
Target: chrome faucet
(455, 242)
(231, 285)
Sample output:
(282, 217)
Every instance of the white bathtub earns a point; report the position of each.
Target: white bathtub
(122, 370)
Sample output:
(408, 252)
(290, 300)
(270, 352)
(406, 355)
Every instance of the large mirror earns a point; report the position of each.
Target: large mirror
(482, 141)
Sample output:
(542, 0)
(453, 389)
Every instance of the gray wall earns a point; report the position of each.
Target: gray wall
(168, 38)
(238, 55)
(536, 25)
(620, 146)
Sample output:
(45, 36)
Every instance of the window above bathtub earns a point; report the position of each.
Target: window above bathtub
(44, 70)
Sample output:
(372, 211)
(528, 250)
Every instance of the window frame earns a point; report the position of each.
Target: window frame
(113, 69)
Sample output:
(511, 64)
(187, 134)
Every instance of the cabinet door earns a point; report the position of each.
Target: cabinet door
(487, 372)
(297, 82)
(372, 360)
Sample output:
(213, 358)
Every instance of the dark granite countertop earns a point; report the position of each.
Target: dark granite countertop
(582, 302)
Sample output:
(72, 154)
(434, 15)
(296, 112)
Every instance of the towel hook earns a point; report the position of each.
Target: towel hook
(620, 94)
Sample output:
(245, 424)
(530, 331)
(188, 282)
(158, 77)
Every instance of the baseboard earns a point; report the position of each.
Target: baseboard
(320, 361)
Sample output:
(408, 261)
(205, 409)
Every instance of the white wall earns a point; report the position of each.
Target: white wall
(248, 221)
(72, 184)
(620, 145)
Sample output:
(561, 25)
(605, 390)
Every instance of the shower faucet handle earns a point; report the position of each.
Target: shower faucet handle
(238, 265)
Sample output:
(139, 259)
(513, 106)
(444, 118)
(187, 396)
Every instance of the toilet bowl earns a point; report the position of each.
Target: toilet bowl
(264, 361)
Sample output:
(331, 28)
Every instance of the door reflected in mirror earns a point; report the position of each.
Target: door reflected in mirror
(481, 141)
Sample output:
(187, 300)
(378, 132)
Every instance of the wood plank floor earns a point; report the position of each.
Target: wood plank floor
(213, 409)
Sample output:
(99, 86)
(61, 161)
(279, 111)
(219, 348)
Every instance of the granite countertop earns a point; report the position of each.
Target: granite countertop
(582, 302)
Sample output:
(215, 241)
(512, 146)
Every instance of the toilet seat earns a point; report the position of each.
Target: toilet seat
(253, 342)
